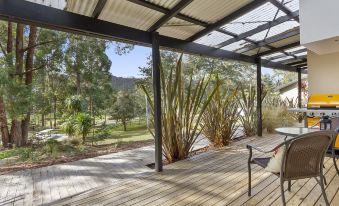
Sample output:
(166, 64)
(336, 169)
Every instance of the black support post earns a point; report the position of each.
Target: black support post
(259, 98)
(157, 101)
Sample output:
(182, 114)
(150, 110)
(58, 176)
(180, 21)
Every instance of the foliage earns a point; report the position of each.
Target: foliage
(276, 114)
(221, 117)
(247, 103)
(184, 100)
(83, 125)
(52, 146)
(124, 108)
(69, 127)
(26, 153)
(75, 104)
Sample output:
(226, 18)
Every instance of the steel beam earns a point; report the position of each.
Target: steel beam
(234, 15)
(258, 29)
(166, 11)
(284, 9)
(173, 12)
(98, 8)
(157, 100)
(271, 40)
(259, 98)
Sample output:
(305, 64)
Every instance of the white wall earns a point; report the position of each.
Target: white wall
(323, 73)
(319, 27)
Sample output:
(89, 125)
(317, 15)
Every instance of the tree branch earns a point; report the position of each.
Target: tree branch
(36, 45)
(40, 67)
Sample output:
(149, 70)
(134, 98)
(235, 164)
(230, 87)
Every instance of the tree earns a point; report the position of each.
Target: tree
(123, 108)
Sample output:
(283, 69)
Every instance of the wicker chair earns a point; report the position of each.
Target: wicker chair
(303, 158)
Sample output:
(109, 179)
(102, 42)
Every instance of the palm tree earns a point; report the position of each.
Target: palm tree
(83, 125)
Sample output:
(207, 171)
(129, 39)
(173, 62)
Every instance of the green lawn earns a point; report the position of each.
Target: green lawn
(135, 132)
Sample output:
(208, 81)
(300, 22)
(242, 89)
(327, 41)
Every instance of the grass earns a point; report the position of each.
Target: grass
(113, 139)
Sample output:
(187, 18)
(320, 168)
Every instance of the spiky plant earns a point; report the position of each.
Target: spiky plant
(184, 100)
(247, 103)
(221, 117)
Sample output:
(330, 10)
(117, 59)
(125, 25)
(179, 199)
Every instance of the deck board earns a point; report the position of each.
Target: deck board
(216, 177)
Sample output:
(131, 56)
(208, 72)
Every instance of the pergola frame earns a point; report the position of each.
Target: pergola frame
(48, 17)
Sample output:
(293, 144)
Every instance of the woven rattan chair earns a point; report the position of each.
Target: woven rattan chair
(303, 158)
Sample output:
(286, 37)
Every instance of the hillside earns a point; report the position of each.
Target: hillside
(122, 83)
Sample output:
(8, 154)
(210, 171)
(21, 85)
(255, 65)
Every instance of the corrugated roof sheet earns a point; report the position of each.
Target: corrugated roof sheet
(261, 15)
(211, 11)
(58, 4)
(133, 15)
(165, 3)
(213, 38)
(83, 7)
(178, 28)
(129, 14)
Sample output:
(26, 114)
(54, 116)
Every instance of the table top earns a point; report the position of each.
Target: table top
(294, 131)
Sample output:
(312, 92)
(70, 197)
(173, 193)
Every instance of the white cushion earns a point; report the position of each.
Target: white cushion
(274, 165)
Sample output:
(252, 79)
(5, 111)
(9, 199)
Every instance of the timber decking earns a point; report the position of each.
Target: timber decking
(213, 178)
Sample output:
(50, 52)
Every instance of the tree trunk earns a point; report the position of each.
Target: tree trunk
(125, 125)
(3, 124)
(3, 116)
(43, 120)
(78, 81)
(16, 133)
(55, 111)
(29, 80)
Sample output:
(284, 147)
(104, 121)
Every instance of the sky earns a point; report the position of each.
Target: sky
(127, 65)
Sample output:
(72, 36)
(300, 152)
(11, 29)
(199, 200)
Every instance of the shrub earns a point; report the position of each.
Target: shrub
(51, 146)
(69, 127)
(220, 118)
(74, 141)
(25, 153)
(184, 100)
(248, 117)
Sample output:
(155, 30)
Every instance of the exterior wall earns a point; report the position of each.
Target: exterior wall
(290, 94)
(319, 28)
(323, 73)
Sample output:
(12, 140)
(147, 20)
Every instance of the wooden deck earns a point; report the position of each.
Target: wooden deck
(212, 178)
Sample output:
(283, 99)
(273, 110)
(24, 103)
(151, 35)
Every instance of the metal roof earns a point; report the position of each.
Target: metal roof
(250, 28)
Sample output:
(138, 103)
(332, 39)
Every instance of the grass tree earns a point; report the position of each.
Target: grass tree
(220, 119)
(184, 101)
(83, 125)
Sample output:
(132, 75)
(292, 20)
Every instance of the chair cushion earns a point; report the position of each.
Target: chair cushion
(261, 161)
(274, 164)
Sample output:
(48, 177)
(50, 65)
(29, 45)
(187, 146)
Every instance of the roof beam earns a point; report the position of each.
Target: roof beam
(173, 12)
(279, 49)
(271, 40)
(258, 29)
(283, 8)
(166, 11)
(98, 8)
(236, 14)
(295, 64)
(183, 17)
(288, 61)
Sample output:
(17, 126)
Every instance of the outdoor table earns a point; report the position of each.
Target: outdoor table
(294, 131)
